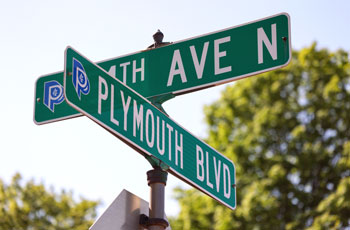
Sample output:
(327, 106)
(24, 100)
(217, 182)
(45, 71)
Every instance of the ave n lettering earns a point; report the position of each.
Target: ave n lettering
(177, 68)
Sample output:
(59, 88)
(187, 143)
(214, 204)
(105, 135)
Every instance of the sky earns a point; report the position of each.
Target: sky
(77, 154)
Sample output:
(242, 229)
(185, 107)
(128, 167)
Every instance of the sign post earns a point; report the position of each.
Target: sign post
(192, 64)
(124, 213)
(133, 119)
(156, 181)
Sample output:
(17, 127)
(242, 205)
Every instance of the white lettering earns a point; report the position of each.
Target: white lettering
(218, 55)
(112, 71)
(200, 162)
(114, 121)
(149, 141)
(170, 128)
(173, 71)
(178, 149)
(161, 150)
(125, 108)
(271, 46)
(135, 70)
(217, 174)
(227, 193)
(101, 96)
(199, 66)
(138, 120)
(124, 65)
(208, 182)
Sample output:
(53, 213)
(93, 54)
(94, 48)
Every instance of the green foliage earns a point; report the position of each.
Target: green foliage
(288, 133)
(32, 207)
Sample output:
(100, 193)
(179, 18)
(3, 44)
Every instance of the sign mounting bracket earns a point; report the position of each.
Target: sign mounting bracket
(157, 101)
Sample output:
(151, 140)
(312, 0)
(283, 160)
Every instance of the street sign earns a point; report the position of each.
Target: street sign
(123, 213)
(133, 119)
(49, 102)
(207, 60)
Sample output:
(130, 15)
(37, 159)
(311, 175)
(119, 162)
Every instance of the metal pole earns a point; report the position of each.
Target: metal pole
(157, 180)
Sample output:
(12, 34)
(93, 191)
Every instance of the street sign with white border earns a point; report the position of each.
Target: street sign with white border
(134, 120)
(192, 64)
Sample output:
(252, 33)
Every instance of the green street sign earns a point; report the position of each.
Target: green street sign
(207, 60)
(134, 120)
(49, 102)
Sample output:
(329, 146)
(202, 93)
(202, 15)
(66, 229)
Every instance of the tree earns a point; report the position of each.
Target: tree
(288, 133)
(31, 206)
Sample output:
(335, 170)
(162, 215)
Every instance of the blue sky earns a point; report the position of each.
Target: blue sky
(77, 154)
